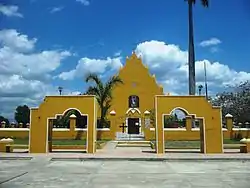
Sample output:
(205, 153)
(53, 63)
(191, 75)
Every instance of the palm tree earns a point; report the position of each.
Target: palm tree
(191, 53)
(63, 121)
(103, 93)
(200, 87)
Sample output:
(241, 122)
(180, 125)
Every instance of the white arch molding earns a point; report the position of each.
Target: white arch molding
(133, 110)
(49, 118)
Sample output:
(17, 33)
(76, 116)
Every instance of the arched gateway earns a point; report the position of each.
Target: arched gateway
(52, 106)
(211, 135)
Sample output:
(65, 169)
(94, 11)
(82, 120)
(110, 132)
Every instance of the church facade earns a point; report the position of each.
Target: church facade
(133, 101)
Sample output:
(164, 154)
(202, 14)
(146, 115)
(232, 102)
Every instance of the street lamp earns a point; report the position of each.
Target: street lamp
(200, 87)
(60, 90)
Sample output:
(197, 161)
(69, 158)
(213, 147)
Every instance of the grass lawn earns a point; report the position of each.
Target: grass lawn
(193, 144)
(18, 141)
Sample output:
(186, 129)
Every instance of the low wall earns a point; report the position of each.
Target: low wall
(58, 133)
(106, 134)
(14, 132)
(194, 134)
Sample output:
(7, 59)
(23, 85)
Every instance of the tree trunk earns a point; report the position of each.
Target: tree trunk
(191, 54)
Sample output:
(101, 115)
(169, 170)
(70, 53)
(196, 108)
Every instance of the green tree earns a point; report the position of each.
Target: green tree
(22, 114)
(191, 51)
(152, 117)
(169, 120)
(235, 101)
(103, 93)
(4, 119)
(63, 121)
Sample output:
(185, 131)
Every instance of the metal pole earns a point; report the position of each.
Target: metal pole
(205, 72)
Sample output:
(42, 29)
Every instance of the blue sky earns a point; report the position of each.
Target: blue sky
(101, 29)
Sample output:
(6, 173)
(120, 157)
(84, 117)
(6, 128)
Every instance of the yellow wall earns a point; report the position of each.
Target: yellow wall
(14, 133)
(133, 72)
(213, 136)
(52, 106)
(107, 135)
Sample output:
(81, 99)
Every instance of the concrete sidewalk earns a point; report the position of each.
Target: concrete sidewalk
(40, 172)
(111, 152)
(127, 154)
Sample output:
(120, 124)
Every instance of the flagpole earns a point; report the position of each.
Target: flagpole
(205, 72)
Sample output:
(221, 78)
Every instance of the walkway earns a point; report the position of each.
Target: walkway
(40, 173)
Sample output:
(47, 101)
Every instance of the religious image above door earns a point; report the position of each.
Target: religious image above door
(133, 101)
(133, 125)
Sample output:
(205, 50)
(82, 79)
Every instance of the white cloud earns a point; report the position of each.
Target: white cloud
(14, 40)
(84, 2)
(56, 9)
(169, 63)
(210, 42)
(86, 65)
(24, 72)
(10, 11)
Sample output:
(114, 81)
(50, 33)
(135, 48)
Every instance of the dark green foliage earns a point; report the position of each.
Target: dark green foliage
(103, 93)
(4, 119)
(235, 101)
(63, 121)
(22, 114)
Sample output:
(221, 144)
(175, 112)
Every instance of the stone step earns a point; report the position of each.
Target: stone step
(132, 145)
(134, 142)
(125, 136)
(139, 138)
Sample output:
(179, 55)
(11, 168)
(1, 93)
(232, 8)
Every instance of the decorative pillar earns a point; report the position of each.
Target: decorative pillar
(72, 125)
(12, 125)
(247, 125)
(27, 125)
(112, 124)
(189, 121)
(146, 123)
(21, 125)
(3, 124)
(229, 124)
(240, 125)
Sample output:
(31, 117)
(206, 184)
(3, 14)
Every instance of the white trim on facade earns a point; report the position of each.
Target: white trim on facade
(49, 118)
(222, 136)
(35, 108)
(60, 129)
(241, 129)
(195, 117)
(81, 129)
(133, 110)
(14, 129)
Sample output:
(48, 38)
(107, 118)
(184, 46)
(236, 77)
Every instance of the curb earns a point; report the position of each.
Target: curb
(15, 158)
(150, 159)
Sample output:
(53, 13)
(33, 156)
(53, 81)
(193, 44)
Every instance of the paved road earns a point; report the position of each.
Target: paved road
(41, 173)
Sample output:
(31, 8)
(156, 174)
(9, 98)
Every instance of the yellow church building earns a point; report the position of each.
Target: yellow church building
(134, 99)
(138, 112)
